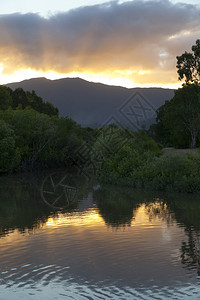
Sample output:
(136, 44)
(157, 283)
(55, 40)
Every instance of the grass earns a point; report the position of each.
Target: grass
(181, 152)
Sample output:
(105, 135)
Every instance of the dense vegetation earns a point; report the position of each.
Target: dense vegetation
(178, 120)
(139, 163)
(33, 135)
(30, 138)
(21, 99)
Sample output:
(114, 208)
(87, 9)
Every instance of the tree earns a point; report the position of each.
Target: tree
(179, 118)
(5, 98)
(9, 154)
(19, 98)
(37, 103)
(35, 139)
(188, 65)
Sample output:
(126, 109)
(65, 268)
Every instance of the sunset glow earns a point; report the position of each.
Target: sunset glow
(117, 78)
(126, 43)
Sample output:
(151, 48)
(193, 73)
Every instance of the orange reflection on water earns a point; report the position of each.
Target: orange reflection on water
(145, 218)
(90, 218)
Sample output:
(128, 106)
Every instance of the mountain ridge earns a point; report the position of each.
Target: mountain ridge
(94, 104)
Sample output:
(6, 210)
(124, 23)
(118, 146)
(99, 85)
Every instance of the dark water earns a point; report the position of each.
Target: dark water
(62, 238)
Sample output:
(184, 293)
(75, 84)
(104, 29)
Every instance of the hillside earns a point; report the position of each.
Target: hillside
(94, 104)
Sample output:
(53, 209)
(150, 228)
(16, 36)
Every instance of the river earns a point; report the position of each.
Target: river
(62, 237)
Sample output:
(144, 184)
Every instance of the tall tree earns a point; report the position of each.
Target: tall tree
(19, 98)
(5, 97)
(179, 118)
(188, 65)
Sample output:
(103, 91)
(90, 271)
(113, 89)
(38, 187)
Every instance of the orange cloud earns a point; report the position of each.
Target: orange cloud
(138, 38)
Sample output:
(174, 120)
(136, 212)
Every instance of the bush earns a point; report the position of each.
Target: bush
(9, 154)
(146, 170)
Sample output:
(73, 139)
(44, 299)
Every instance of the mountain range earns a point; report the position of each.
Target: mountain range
(95, 104)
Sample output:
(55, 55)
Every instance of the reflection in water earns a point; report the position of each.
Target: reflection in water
(159, 209)
(191, 250)
(90, 217)
(117, 208)
(60, 191)
(73, 253)
(187, 212)
(20, 206)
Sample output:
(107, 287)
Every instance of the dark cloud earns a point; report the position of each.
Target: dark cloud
(135, 35)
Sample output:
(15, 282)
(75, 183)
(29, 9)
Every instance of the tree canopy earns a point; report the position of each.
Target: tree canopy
(5, 97)
(188, 64)
(19, 98)
(178, 120)
(32, 134)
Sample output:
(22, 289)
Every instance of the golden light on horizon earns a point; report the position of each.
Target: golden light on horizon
(96, 45)
(124, 78)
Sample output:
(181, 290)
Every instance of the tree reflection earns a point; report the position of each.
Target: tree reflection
(63, 190)
(187, 211)
(190, 256)
(22, 208)
(158, 208)
(117, 206)
(21, 205)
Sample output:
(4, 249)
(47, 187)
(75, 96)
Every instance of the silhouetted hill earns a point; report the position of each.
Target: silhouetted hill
(94, 104)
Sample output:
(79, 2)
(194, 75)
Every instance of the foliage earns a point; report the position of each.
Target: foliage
(139, 163)
(33, 132)
(111, 139)
(188, 64)
(20, 98)
(32, 135)
(41, 139)
(9, 153)
(134, 150)
(108, 139)
(178, 120)
(69, 136)
(173, 173)
(5, 97)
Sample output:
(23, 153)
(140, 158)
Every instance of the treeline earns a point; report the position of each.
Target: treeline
(30, 139)
(32, 134)
(21, 99)
(140, 163)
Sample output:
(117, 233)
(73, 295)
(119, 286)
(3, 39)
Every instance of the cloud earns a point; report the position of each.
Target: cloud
(134, 35)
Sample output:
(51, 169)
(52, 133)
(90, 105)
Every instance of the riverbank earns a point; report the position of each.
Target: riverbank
(176, 170)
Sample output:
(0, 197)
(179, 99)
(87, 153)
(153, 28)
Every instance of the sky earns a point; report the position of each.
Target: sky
(126, 43)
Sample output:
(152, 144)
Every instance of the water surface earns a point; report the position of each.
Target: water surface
(76, 240)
